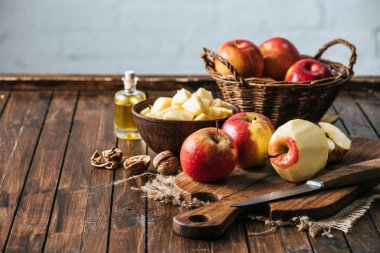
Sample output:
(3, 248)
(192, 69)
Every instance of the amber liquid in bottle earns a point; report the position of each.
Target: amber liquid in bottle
(125, 126)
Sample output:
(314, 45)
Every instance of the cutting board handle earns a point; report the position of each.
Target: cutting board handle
(352, 174)
(207, 222)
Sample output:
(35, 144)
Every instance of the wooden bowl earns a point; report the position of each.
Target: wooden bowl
(161, 135)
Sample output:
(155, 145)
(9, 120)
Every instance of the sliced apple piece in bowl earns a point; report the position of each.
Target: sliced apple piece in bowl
(339, 143)
(181, 96)
(161, 104)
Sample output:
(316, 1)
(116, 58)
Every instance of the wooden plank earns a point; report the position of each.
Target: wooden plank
(375, 215)
(353, 119)
(96, 222)
(322, 244)
(31, 221)
(266, 242)
(157, 94)
(364, 237)
(369, 103)
(67, 220)
(357, 124)
(110, 82)
(234, 240)
(339, 122)
(147, 82)
(161, 237)
(20, 127)
(128, 218)
(338, 243)
(4, 95)
(294, 240)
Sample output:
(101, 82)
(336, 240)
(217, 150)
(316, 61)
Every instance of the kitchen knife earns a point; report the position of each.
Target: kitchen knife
(346, 176)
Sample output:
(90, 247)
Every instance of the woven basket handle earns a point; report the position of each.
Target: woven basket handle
(209, 57)
(343, 42)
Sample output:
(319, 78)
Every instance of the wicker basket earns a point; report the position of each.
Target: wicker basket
(278, 100)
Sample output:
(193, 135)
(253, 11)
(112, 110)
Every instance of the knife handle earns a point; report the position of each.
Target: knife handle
(351, 175)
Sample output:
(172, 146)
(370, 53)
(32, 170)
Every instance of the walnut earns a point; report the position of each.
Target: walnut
(113, 155)
(110, 160)
(166, 163)
(96, 160)
(112, 165)
(137, 164)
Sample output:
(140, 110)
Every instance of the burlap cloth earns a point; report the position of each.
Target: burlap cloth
(161, 188)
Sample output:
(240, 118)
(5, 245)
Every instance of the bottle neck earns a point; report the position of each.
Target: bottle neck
(130, 84)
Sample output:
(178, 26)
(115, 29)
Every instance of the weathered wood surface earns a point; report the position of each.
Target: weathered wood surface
(146, 82)
(52, 200)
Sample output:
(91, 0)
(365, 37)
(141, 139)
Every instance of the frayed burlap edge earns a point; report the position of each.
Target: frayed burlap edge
(161, 188)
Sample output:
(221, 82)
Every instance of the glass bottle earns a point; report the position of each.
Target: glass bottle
(125, 126)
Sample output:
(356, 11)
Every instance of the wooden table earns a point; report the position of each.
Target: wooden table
(53, 200)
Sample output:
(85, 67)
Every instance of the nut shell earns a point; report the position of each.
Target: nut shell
(137, 164)
(96, 160)
(166, 163)
(113, 155)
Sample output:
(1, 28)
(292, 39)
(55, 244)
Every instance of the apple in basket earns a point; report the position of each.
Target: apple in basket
(298, 150)
(306, 70)
(279, 55)
(243, 55)
(251, 133)
(208, 155)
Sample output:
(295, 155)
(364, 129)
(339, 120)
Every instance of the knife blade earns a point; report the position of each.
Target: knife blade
(307, 188)
(346, 176)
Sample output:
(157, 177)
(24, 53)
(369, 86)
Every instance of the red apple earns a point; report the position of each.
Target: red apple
(244, 56)
(208, 155)
(307, 70)
(298, 150)
(251, 133)
(279, 54)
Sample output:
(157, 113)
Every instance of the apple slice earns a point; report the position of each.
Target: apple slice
(217, 102)
(145, 111)
(161, 114)
(178, 114)
(201, 116)
(342, 143)
(298, 150)
(160, 104)
(203, 93)
(220, 103)
(219, 112)
(197, 105)
(181, 96)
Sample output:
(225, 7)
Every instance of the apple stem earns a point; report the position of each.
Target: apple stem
(217, 126)
(276, 155)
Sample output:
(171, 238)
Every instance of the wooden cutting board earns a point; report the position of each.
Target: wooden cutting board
(211, 221)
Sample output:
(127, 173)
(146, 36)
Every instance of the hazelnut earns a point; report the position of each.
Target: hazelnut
(113, 155)
(137, 164)
(166, 163)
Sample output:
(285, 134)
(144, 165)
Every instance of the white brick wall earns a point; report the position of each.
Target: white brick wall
(150, 36)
